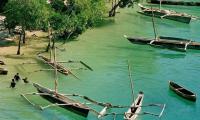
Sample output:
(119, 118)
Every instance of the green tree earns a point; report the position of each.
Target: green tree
(29, 14)
(75, 16)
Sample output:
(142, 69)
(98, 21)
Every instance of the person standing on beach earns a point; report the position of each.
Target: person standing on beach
(17, 77)
(12, 84)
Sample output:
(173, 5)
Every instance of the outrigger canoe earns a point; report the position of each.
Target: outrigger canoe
(181, 91)
(59, 67)
(64, 101)
(166, 42)
(135, 108)
(168, 14)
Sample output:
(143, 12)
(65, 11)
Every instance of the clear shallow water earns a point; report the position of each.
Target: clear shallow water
(107, 51)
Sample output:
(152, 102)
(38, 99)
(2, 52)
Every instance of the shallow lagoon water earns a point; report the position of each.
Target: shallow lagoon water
(107, 51)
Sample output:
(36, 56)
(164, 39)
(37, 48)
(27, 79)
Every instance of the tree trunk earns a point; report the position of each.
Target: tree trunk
(19, 44)
(50, 35)
(23, 37)
(112, 11)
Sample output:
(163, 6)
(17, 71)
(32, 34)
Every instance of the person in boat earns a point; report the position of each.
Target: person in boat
(17, 77)
(25, 80)
(12, 84)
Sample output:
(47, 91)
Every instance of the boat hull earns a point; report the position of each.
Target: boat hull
(179, 90)
(182, 19)
(172, 15)
(73, 105)
(167, 42)
(133, 112)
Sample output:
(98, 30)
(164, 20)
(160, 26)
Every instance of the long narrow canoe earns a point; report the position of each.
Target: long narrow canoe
(135, 108)
(181, 91)
(177, 2)
(59, 67)
(168, 14)
(167, 42)
(66, 102)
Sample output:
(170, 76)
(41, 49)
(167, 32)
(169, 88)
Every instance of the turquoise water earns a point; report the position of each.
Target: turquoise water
(107, 51)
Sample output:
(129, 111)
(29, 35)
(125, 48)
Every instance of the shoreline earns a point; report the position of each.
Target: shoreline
(10, 45)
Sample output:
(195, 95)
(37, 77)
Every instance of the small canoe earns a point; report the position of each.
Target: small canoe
(182, 91)
(168, 14)
(3, 71)
(68, 103)
(135, 108)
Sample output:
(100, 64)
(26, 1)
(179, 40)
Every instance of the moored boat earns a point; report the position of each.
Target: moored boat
(168, 14)
(65, 101)
(3, 71)
(181, 91)
(58, 66)
(166, 42)
(135, 108)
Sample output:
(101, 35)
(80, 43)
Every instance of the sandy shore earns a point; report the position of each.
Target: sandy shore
(8, 49)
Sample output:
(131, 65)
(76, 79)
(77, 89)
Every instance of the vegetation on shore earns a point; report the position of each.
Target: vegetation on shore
(61, 18)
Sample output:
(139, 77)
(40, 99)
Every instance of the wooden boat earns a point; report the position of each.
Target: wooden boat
(177, 2)
(182, 91)
(135, 108)
(167, 42)
(3, 71)
(168, 14)
(59, 67)
(57, 98)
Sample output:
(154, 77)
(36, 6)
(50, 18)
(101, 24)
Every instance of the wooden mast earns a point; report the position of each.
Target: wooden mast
(154, 29)
(50, 38)
(131, 82)
(55, 73)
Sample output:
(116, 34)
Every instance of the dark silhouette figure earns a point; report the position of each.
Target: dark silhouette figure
(25, 80)
(17, 77)
(12, 84)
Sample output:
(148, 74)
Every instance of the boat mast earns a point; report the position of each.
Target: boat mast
(131, 82)
(154, 29)
(55, 73)
(50, 38)
(160, 4)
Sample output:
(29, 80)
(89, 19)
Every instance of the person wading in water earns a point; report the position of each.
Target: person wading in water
(12, 84)
(16, 77)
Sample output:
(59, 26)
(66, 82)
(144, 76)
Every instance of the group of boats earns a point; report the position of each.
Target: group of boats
(168, 42)
(64, 100)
